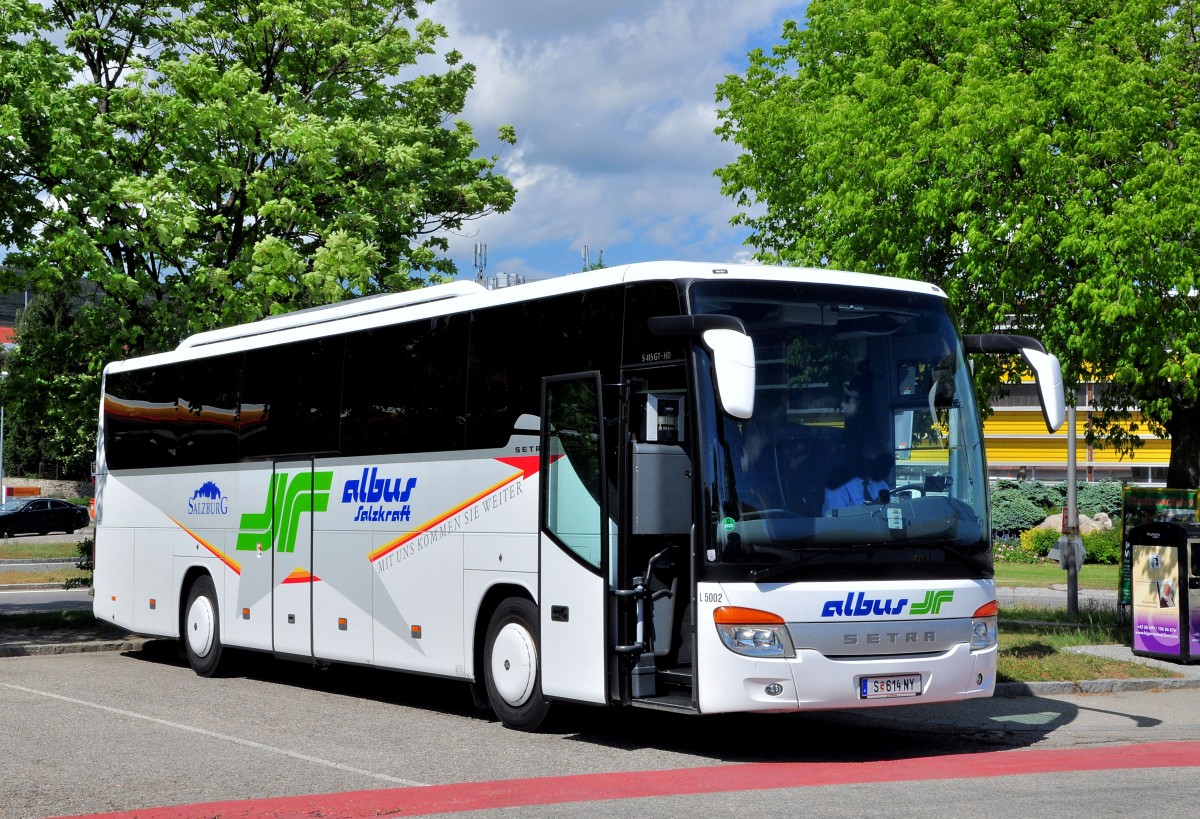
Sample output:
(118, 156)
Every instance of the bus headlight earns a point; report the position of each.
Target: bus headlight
(983, 627)
(753, 633)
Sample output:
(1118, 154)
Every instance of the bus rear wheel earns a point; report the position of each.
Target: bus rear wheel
(510, 665)
(202, 627)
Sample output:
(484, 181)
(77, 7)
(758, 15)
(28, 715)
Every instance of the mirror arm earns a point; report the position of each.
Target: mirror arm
(992, 343)
(694, 325)
(1047, 371)
(732, 354)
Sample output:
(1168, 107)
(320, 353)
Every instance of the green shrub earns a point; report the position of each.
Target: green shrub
(1103, 546)
(1038, 542)
(1046, 495)
(1021, 505)
(1012, 511)
(85, 550)
(1102, 496)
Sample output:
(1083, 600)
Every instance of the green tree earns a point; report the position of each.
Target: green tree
(596, 265)
(51, 410)
(202, 164)
(1036, 159)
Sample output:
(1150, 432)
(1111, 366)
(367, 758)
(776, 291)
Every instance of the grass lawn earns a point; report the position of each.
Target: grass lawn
(1091, 576)
(55, 573)
(19, 549)
(1034, 643)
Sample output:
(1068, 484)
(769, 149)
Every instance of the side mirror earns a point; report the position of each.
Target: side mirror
(733, 365)
(1047, 372)
(732, 353)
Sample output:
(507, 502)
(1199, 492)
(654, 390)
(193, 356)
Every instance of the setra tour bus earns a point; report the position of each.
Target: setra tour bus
(664, 485)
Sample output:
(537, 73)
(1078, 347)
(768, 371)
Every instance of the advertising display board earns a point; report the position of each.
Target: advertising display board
(1149, 504)
(1165, 588)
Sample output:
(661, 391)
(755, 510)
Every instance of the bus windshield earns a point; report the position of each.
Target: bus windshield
(863, 455)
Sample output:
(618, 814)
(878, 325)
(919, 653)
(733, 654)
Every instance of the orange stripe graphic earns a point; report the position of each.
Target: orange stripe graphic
(300, 575)
(224, 558)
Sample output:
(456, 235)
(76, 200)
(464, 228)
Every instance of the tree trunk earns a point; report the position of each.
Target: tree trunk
(1184, 428)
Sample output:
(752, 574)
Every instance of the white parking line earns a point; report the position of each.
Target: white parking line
(223, 737)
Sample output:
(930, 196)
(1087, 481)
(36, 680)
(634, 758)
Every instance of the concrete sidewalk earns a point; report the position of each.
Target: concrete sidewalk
(1054, 597)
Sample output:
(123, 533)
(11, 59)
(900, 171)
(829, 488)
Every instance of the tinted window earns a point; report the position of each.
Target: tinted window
(514, 346)
(140, 417)
(404, 388)
(208, 410)
(291, 399)
(643, 301)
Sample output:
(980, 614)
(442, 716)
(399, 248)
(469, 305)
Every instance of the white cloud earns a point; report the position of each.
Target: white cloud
(614, 108)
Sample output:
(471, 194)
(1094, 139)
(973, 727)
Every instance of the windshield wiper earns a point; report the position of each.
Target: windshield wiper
(760, 575)
(778, 569)
(978, 565)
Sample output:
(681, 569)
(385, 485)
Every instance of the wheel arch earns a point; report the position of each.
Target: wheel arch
(492, 598)
(190, 576)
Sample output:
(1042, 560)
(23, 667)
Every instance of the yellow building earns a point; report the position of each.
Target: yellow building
(1019, 447)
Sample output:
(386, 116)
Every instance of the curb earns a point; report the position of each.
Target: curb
(34, 650)
(1049, 689)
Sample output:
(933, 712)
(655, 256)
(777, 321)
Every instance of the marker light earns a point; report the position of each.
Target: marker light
(753, 633)
(983, 626)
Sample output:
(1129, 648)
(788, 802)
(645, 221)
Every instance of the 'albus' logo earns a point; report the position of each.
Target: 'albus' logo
(859, 604)
(379, 499)
(208, 500)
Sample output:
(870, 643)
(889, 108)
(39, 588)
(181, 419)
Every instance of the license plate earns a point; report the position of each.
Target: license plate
(898, 685)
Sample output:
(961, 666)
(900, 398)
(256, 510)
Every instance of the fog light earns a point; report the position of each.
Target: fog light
(978, 679)
(774, 690)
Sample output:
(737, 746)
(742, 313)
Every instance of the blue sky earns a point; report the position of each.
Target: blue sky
(614, 107)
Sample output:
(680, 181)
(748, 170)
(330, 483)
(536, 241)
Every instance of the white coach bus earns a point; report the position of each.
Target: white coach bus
(664, 485)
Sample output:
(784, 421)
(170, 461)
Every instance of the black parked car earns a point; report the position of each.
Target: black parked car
(41, 516)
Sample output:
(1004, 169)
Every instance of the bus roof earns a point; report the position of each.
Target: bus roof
(460, 296)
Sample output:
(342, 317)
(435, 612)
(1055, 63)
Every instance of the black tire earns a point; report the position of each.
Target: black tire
(202, 627)
(511, 668)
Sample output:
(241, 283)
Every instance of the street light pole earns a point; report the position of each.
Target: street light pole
(3, 494)
(1070, 551)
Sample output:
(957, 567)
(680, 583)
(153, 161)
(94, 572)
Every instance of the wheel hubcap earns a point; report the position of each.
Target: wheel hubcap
(514, 664)
(201, 624)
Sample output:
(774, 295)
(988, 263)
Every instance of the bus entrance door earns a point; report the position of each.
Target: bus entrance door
(296, 491)
(575, 541)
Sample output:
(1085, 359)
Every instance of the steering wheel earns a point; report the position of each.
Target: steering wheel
(913, 490)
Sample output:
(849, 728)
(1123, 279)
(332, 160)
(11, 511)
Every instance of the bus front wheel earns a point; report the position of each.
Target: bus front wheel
(202, 627)
(510, 665)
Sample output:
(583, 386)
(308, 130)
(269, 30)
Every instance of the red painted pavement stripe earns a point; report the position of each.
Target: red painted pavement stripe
(512, 793)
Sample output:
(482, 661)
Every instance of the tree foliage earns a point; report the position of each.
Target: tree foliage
(1036, 159)
(202, 164)
(50, 394)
